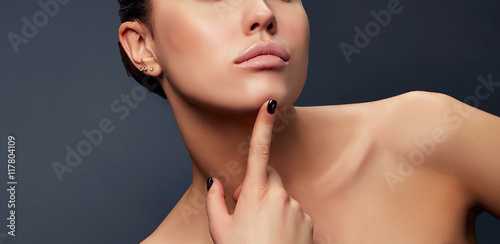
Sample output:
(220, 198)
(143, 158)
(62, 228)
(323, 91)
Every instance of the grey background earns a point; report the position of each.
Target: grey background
(66, 77)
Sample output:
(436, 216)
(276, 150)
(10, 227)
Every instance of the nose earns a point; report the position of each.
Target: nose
(258, 17)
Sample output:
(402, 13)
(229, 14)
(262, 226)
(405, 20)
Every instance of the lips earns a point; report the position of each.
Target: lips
(263, 55)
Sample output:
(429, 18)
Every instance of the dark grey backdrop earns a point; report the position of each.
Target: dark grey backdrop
(68, 74)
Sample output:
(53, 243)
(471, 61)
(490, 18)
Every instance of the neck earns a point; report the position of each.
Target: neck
(218, 143)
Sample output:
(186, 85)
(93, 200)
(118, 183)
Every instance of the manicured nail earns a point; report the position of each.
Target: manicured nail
(271, 106)
(210, 181)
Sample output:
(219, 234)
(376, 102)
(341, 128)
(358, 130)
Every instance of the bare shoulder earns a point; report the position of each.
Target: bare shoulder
(406, 104)
(158, 236)
(403, 123)
(182, 225)
(402, 120)
(396, 120)
(435, 132)
(392, 124)
(150, 240)
(456, 139)
(422, 102)
(162, 235)
(416, 104)
(165, 232)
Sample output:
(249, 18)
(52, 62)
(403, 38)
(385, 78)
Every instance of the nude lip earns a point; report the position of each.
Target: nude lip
(263, 55)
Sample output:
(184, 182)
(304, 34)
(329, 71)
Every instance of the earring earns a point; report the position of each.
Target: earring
(145, 69)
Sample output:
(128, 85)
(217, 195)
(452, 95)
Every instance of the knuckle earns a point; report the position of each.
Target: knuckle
(271, 170)
(307, 222)
(208, 200)
(262, 192)
(295, 206)
(281, 194)
(254, 192)
(210, 197)
(260, 149)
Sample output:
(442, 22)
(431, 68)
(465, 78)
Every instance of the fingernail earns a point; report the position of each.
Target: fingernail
(210, 181)
(271, 106)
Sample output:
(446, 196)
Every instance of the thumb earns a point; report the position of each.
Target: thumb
(217, 211)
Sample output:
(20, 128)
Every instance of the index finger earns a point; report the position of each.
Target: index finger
(260, 144)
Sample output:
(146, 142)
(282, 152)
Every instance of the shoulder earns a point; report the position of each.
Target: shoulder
(459, 140)
(162, 235)
(392, 124)
(404, 124)
(395, 120)
(149, 240)
(165, 232)
(401, 121)
(452, 138)
(407, 104)
(417, 103)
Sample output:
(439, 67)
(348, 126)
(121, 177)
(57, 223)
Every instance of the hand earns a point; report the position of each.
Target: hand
(264, 212)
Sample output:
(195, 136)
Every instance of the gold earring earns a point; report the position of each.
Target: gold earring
(144, 69)
(151, 68)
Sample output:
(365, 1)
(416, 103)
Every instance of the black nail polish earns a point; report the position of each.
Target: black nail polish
(271, 106)
(210, 181)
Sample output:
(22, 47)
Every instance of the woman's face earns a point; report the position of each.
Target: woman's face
(200, 45)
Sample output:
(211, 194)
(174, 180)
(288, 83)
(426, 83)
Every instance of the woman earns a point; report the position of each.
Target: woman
(415, 168)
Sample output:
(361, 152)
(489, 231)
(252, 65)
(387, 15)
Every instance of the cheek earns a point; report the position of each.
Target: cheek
(194, 51)
(295, 29)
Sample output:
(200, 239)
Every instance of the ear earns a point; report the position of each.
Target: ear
(137, 43)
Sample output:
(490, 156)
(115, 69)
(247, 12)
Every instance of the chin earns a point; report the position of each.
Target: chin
(244, 93)
(261, 88)
(255, 99)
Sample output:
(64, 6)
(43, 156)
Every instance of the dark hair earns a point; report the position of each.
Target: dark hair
(139, 10)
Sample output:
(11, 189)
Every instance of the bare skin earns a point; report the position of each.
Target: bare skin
(334, 160)
(343, 164)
